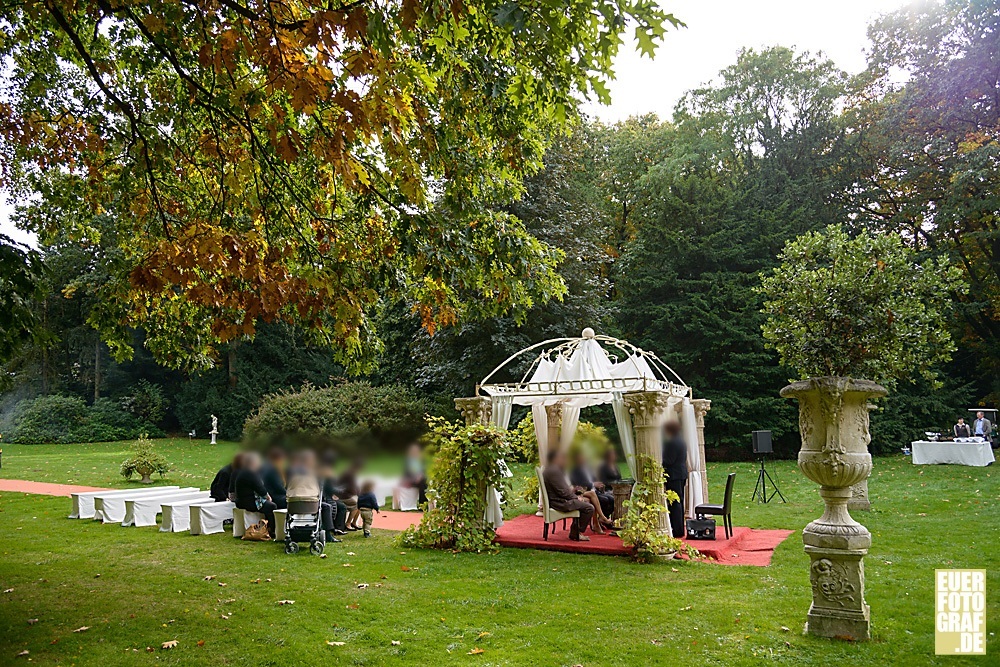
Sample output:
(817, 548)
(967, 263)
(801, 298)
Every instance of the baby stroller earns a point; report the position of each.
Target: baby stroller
(303, 522)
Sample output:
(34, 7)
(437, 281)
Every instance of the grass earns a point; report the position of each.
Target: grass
(136, 588)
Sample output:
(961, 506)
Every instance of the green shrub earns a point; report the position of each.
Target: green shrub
(68, 419)
(145, 461)
(146, 401)
(463, 466)
(346, 413)
(643, 515)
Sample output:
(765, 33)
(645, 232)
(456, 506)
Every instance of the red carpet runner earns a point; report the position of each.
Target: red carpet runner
(746, 547)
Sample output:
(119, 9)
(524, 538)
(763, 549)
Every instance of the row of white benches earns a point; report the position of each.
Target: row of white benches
(189, 509)
(186, 509)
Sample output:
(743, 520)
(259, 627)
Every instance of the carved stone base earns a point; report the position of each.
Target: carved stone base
(859, 497)
(838, 610)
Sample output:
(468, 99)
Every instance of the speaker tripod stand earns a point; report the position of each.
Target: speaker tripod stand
(760, 490)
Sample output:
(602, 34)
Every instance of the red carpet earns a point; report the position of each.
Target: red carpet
(746, 547)
(43, 488)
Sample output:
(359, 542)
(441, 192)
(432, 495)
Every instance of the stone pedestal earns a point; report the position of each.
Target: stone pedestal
(859, 497)
(647, 409)
(475, 409)
(833, 422)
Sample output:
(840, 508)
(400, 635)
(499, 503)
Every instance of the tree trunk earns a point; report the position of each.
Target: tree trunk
(231, 366)
(97, 369)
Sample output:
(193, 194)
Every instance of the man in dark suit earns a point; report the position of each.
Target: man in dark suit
(676, 469)
(563, 498)
(273, 475)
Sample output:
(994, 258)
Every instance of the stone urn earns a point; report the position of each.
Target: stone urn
(833, 422)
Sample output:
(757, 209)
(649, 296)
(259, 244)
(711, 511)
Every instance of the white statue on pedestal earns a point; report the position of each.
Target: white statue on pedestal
(215, 428)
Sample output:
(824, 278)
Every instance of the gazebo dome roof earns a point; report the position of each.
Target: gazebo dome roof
(583, 371)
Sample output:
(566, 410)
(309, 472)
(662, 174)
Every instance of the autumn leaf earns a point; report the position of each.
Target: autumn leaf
(201, 642)
(396, 642)
(335, 643)
(284, 602)
(210, 577)
(23, 654)
(404, 568)
(82, 628)
(477, 651)
(362, 586)
(168, 645)
(32, 621)
(482, 634)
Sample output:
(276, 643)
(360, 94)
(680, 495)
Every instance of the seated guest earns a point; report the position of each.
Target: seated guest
(331, 496)
(961, 429)
(582, 478)
(273, 474)
(349, 493)
(304, 482)
(367, 504)
(609, 473)
(219, 491)
(563, 498)
(251, 495)
(237, 464)
(414, 474)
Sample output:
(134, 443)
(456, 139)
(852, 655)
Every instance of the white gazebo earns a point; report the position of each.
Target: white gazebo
(567, 374)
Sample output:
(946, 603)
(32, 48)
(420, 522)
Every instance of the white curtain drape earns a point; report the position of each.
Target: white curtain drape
(694, 495)
(624, 422)
(541, 420)
(499, 418)
(570, 420)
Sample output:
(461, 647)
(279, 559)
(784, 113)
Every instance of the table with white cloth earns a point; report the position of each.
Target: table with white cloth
(978, 454)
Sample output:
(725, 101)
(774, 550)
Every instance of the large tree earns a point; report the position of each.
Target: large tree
(753, 160)
(300, 160)
(929, 111)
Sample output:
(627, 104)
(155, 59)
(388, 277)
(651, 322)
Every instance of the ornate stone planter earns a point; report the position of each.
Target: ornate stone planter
(833, 422)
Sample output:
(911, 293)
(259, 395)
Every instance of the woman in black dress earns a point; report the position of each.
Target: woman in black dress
(251, 495)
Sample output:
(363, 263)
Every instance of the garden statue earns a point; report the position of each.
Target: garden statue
(215, 428)
(840, 309)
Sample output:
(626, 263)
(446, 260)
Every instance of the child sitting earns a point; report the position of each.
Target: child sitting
(367, 503)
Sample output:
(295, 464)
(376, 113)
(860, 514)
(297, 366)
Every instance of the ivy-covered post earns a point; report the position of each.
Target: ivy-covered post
(647, 409)
(475, 409)
(701, 408)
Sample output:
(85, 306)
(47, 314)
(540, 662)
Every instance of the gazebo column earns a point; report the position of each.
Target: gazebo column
(701, 408)
(647, 410)
(475, 410)
(553, 415)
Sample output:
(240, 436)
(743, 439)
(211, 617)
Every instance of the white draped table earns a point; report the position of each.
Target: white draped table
(978, 454)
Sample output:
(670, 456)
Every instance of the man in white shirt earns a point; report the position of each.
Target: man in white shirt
(982, 427)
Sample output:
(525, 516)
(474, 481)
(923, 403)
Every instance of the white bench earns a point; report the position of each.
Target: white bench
(207, 518)
(111, 508)
(142, 512)
(176, 515)
(83, 503)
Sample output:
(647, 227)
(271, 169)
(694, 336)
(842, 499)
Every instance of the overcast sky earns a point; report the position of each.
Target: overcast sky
(715, 32)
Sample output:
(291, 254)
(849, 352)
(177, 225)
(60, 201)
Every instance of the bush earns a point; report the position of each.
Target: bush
(463, 466)
(347, 413)
(68, 419)
(144, 461)
(145, 401)
(643, 515)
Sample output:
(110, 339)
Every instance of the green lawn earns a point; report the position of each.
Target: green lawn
(136, 588)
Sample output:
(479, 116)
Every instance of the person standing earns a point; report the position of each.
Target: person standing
(676, 469)
(982, 427)
(961, 429)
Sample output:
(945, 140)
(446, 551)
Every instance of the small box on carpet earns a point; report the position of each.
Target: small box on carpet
(701, 529)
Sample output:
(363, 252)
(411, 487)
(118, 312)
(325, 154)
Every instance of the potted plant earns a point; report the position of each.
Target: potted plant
(144, 461)
(852, 315)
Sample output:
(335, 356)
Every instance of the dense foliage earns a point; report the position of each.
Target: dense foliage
(300, 160)
(67, 419)
(346, 414)
(463, 466)
(858, 307)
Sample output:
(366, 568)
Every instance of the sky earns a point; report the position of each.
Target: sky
(693, 55)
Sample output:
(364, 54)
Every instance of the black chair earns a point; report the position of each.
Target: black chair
(725, 509)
